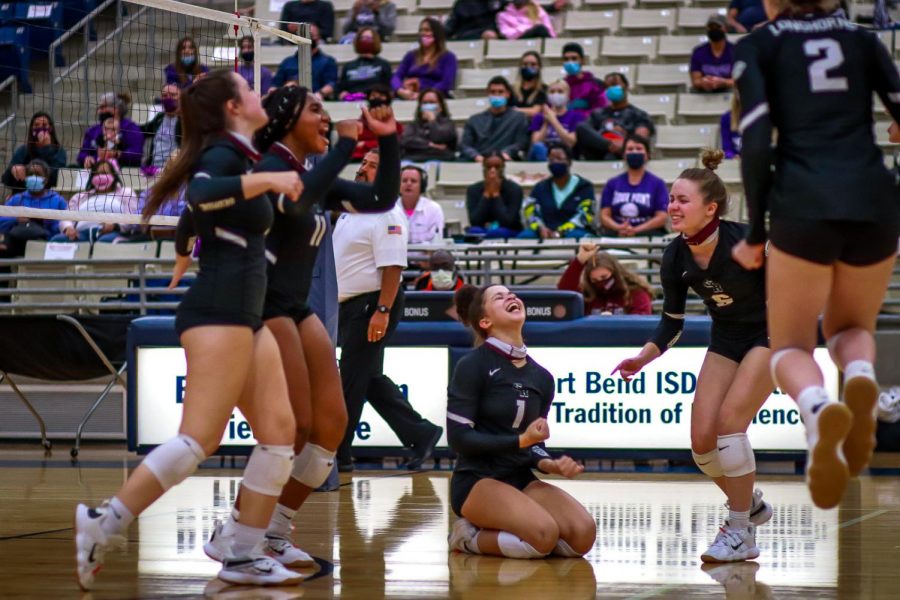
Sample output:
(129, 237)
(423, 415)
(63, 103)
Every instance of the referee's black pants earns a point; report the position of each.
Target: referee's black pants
(363, 378)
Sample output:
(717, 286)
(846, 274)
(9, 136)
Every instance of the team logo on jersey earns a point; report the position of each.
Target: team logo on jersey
(523, 392)
(718, 294)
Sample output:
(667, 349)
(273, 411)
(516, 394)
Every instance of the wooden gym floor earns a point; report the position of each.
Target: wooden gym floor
(383, 535)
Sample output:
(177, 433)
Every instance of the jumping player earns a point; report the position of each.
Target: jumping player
(297, 128)
(497, 408)
(232, 359)
(734, 380)
(834, 212)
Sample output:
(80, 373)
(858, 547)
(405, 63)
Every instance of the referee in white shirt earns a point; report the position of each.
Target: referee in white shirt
(370, 254)
(424, 216)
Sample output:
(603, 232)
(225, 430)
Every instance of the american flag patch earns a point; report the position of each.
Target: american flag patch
(395, 230)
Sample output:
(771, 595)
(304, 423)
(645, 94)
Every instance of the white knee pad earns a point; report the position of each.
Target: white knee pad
(736, 455)
(313, 465)
(776, 358)
(562, 548)
(709, 463)
(513, 546)
(268, 469)
(174, 461)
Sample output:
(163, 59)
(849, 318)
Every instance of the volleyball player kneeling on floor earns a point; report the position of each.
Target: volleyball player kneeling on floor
(835, 217)
(734, 380)
(497, 408)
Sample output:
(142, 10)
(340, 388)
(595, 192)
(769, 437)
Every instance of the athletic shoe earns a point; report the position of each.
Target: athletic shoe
(732, 545)
(826, 469)
(462, 533)
(423, 450)
(217, 546)
(284, 551)
(91, 543)
(760, 511)
(257, 570)
(861, 397)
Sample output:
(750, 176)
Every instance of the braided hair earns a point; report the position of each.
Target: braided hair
(283, 107)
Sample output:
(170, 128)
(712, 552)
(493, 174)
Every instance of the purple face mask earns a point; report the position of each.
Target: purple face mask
(39, 130)
(170, 104)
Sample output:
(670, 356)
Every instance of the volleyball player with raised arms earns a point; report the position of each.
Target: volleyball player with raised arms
(232, 359)
(834, 217)
(497, 408)
(734, 380)
(297, 128)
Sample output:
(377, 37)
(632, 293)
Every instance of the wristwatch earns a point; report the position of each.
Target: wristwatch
(383, 308)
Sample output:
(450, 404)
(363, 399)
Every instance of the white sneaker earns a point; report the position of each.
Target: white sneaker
(732, 545)
(760, 511)
(462, 533)
(217, 546)
(257, 570)
(91, 543)
(861, 397)
(827, 473)
(285, 552)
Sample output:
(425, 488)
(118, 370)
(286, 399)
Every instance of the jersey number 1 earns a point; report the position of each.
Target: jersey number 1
(319, 233)
(520, 413)
(829, 56)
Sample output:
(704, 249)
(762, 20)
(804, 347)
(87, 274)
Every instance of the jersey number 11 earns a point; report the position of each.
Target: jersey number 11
(829, 56)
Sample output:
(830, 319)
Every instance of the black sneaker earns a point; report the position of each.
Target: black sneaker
(424, 450)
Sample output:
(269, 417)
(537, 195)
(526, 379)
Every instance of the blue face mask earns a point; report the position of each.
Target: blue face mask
(572, 68)
(431, 107)
(34, 183)
(615, 93)
(558, 169)
(188, 60)
(497, 101)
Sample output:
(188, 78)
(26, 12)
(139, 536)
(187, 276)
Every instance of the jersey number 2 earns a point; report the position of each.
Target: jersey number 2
(829, 56)
(319, 233)
(520, 413)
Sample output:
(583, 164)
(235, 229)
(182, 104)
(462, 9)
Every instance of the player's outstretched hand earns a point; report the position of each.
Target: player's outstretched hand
(287, 183)
(380, 120)
(181, 266)
(750, 257)
(629, 367)
(348, 128)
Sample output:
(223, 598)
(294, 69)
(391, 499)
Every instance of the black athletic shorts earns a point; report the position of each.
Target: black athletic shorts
(855, 243)
(735, 340)
(462, 482)
(296, 312)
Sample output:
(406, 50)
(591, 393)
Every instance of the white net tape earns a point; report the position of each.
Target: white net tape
(84, 215)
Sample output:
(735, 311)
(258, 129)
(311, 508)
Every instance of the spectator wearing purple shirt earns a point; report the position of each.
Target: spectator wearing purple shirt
(602, 136)
(246, 70)
(711, 63)
(187, 68)
(431, 65)
(555, 124)
(635, 202)
(131, 140)
(585, 90)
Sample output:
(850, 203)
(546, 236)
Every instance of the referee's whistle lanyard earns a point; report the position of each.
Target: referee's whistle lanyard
(508, 350)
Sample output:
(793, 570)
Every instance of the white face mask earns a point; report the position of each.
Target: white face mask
(557, 100)
(442, 280)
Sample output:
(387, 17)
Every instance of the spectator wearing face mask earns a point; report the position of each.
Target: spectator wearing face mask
(602, 136)
(187, 68)
(366, 70)
(585, 90)
(379, 95)
(380, 14)
(16, 231)
(560, 206)
(529, 92)
(163, 131)
(424, 216)
(324, 68)
(498, 129)
(130, 143)
(105, 193)
(608, 288)
(711, 63)
(635, 202)
(523, 19)
(441, 275)
(556, 124)
(432, 134)
(247, 70)
(430, 65)
(494, 204)
(42, 144)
